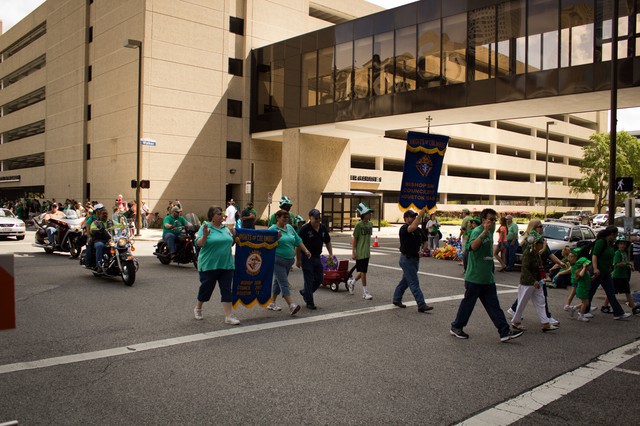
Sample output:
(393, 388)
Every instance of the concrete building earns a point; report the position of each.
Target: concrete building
(249, 98)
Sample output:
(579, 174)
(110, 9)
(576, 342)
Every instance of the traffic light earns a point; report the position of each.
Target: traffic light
(144, 184)
(624, 184)
(133, 184)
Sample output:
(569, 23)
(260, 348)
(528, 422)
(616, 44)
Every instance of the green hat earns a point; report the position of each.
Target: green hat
(284, 200)
(299, 219)
(476, 221)
(622, 238)
(363, 209)
(583, 261)
(534, 237)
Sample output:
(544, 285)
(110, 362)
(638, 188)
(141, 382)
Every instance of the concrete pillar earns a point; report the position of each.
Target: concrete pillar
(379, 163)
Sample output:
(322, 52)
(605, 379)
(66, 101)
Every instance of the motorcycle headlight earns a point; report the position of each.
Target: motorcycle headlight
(122, 242)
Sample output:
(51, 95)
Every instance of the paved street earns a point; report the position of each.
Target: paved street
(93, 351)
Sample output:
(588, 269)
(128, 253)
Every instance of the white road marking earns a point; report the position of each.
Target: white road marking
(521, 406)
(163, 343)
(624, 370)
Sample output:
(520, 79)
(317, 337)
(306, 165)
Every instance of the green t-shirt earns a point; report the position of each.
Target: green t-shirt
(288, 241)
(180, 221)
(583, 284)
(480, 261)
(604, 251)
(512, 232)
(216, 252)
(623, 272)
(362, 234)
(272, 219)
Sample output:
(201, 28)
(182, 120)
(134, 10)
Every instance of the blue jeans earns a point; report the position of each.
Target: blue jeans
(605, 280)
(512, 247)
(51, 233)
(281, 276)
(489, 297)
(313, 276)
(99, 245)
(170, 239)
(409, 279)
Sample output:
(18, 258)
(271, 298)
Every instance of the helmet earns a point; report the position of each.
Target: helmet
(284, 201)
(98, 207)
(621, 238)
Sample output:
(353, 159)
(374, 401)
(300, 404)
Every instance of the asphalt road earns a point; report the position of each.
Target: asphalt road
(93, 351)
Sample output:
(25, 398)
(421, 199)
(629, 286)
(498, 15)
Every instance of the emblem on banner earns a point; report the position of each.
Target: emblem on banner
(254, 262)
(424, 165)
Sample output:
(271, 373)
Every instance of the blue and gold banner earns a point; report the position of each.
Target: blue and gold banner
(421, 174)
(255, 257)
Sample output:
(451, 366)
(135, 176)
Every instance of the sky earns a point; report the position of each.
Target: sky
(12, 11)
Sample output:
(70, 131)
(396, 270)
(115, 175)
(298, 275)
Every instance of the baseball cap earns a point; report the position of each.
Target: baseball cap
(175, 209)
(314, 213)
(410, 213)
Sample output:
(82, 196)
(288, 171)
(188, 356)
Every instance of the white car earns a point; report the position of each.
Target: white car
(11, 226)
(600, 219)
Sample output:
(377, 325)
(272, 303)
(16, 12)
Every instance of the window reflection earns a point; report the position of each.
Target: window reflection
(405, 60)
(482, 46)
(543, 35)
(577, 36)
(511, 37)
(362, 59)
(382, 66)
(325, 76)
(309, 73)
(344, 69)
(429, 54)
(454, 47)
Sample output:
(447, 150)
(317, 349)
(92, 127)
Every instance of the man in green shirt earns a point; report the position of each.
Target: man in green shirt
(512, 242)
(172, 227)
(479, 281)
(361, 249)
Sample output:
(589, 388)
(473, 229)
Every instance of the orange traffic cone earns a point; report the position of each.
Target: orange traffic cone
(375, 241)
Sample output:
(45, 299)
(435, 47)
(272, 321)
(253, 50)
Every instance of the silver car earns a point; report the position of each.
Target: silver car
(561, 234)
(10, 225)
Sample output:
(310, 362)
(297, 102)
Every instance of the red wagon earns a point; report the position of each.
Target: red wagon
(335, 272)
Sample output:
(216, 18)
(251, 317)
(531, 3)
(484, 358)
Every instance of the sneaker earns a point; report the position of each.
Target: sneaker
(293, 309)
(311, 306)
(606, 310)
(231, 320)
(583, 318)
(197, 313)
(351, 283)
(624, 316)
(550, 328)
(573, 310)
(458, 333)
(400, 304)
(594, 308)
(588, 315)
(511, 335)
(273, 307)
(568, 308)
(367, 296)
(511, 312)
(553, 321)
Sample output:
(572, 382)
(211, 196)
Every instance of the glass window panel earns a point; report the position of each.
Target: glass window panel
(429, 54)
(550, 50)
(454, 47)
(362, 59)
(577, 37)
(344, 71)
(534, 60)
(622, 49)
(565, 47)
(511, 37)
(309, 73)
(482, 43)
(582, 45)
(325, 76)
(543, 16)
(405, 60)
(382, 66)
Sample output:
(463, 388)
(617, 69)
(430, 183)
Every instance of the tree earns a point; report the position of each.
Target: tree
(595, 166)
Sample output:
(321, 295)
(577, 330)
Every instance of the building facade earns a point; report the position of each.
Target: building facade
(255, 99)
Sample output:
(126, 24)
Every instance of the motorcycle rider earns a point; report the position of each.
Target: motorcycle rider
(171, 228)
(51, 229)
(100, 234)
(88, 253)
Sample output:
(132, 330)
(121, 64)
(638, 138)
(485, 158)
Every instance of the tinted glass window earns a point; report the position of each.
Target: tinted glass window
(405, 60)
(511, 37)
(309, 74)
(454, 48)
(382, 65)
(429, 53)
(362, 58)
(325, 76)
(344, 68)
(482, 43)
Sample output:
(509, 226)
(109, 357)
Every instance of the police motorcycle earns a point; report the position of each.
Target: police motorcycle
(117, 257)
(69, 237)
(187, 249)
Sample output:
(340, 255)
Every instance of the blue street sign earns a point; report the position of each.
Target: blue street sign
(148, 142)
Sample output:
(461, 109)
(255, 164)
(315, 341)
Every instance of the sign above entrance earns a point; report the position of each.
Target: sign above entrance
(372, 179)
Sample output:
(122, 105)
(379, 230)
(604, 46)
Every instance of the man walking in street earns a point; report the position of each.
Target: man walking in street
(410, 243)
(512, 242)
(479, 281)
(314, 234)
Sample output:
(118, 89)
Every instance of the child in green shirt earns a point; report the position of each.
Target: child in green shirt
(581, 276)
(621, 275)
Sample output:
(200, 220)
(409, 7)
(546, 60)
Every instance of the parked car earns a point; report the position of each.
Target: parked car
(600, 219)
(561, 234)
(11, 226)
(619, 222)
(577, 216)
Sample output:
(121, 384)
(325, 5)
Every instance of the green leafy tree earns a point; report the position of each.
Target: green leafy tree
(595, 166)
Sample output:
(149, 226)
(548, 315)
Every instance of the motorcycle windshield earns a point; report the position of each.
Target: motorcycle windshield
(70, 214)
(193, 219)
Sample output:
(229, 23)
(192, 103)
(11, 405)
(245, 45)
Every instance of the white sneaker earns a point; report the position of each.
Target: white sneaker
(594, 308)
(553, 321)
(197, 313)
(624, 316)
(583, 318)
(588, 315)
(351, 283)
(293, 309)
(568, 308)
(572, 310)
(273, 307)
(367, 296)
(231, 320)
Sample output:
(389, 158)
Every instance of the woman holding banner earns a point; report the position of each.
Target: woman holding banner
(215, 263)
(288, 242)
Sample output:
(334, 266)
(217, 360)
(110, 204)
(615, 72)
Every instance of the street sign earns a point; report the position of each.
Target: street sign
(269, 197)
(148, 142)
(624, 184)
(247, 187)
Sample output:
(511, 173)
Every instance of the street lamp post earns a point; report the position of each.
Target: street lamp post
(137, 44)
(546, 170)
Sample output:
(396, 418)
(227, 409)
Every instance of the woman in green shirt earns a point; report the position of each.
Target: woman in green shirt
(215, 263)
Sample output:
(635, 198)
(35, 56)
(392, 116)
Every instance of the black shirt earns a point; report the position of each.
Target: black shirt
(410, 242)
(248, 223)
(313, 240)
